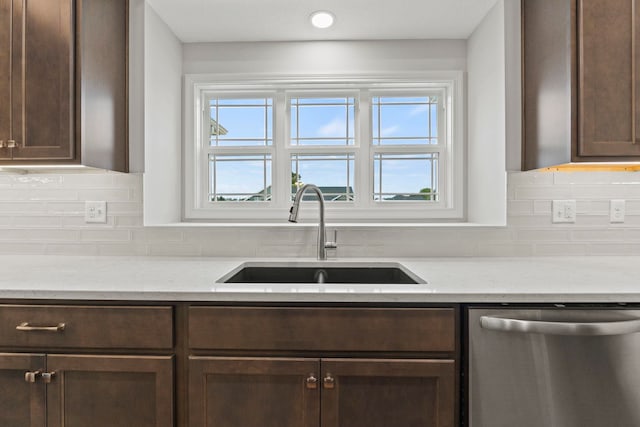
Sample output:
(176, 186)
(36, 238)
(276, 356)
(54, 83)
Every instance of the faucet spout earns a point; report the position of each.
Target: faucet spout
(293, 216)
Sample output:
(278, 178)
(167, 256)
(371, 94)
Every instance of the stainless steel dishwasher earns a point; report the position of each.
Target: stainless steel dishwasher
(554, 367)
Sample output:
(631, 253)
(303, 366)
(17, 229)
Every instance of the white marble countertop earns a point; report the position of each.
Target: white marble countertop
(451, 280)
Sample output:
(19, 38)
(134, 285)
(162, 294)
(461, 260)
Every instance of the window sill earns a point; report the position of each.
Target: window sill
(312, 224)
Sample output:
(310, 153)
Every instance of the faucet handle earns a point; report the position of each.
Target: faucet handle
(332, 244)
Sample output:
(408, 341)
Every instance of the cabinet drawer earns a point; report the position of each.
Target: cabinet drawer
(324, 329)
(88, 327)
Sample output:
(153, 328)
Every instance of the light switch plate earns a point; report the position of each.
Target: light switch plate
(564, 211)
(616, 210)
(95, 212)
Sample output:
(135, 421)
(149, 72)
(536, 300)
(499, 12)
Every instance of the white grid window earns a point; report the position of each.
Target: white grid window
(406, 146)
(377, 150)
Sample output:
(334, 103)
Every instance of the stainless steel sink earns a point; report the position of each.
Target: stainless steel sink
(322, 272)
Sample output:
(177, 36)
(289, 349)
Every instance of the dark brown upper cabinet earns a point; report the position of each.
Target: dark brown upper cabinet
(64, 82)
(581, 77)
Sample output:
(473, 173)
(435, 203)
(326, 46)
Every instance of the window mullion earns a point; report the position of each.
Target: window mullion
(281, 159)
(203, 187)
(364, 160)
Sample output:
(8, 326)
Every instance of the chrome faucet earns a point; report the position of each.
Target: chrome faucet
(323, 245)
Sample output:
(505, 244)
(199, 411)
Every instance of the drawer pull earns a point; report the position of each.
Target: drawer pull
(31, 376)
(329, 382)
(25, 326)
(311, 382)
(47, 377)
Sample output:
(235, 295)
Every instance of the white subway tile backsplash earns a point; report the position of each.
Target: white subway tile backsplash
(221, 249)
(109, 195)
(520, 207)
(36, 181)
(598, 235)
(603, 191)
(607, 178)
(531, 179)
(77, 221)
(105, 235)
(543, 192)
(44, 213)
(542, 235)
(560, 249)
(128, 221)
(65, 208)
(123, 249)
(124, 208)
(33, 221)
(159, 234)
(87, 249)
(22, 207)
(541, 207)
(173, 249)
(55, 194)
(89, 180)
(505, 249)
(13, 194)
(614, 249)
(19, 248)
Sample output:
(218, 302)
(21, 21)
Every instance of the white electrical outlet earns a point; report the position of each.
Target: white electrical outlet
(95, 212)
(564, 211)
(616, 210)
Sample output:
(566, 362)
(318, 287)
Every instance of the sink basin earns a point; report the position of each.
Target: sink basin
(321, 272)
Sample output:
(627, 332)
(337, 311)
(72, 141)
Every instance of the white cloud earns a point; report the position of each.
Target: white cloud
(334, 128)
(388, 131)
(418, 109)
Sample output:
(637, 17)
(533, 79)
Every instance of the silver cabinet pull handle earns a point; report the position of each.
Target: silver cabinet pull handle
(311, 382)
(618, 327)
(328, 381)
(31, 376)
(47, 377)
(25, 326)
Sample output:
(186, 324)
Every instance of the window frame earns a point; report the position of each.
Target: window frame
(196, 207)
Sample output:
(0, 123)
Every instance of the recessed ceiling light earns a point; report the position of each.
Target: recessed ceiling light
(322, 19)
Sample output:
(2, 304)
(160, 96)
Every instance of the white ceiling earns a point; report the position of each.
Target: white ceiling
(279, 20)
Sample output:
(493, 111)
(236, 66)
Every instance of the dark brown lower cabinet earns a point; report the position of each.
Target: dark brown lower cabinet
(309, 392)
(22, 404)
(253, 392)
(86, 390)
(388, 392)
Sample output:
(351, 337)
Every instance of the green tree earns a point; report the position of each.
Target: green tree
(295, 178)
(427, 193)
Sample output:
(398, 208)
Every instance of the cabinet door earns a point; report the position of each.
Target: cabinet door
(607, 79)
(383, 393)
(42, 79)
(110, 391)
(5, 76)
(21, 403)
(253, 392)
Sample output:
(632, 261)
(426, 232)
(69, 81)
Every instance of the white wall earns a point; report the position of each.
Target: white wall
(486, 129)
(324, 57)
(162, 120)
(136, 85)
(513, 83)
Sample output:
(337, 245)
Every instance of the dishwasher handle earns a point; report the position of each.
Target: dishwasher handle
(618, 327)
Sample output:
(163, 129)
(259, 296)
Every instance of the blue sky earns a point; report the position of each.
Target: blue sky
(249, 123)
